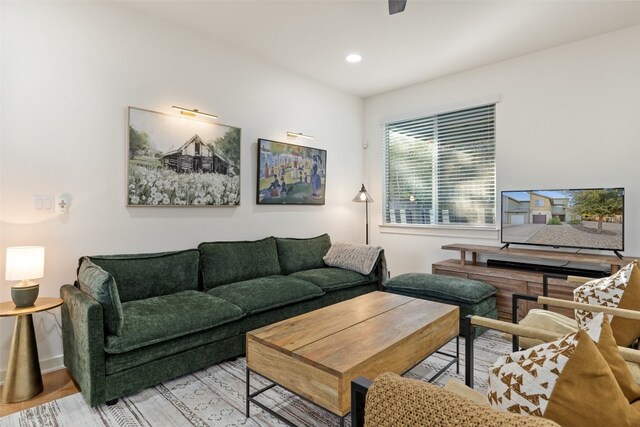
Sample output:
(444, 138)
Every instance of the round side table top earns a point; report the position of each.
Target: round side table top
(8, 308)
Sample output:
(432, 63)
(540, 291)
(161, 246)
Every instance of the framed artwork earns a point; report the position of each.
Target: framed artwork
(178, 161)
(290, 174)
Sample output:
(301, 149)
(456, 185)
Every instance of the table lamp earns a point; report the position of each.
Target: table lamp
(364, 197)
(24, 263)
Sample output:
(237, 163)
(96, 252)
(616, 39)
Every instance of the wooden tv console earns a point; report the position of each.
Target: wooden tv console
(509, 280)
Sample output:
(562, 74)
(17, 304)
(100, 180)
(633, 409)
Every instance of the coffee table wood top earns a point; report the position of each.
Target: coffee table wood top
(367, 335)
(291, 334)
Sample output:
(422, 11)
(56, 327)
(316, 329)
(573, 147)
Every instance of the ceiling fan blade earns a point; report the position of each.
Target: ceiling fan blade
(396, 6)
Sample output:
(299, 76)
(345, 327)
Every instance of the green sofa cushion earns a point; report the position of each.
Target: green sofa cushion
(331, 279)
(446, 288)
(102, 287)
(118, 362)
(167, 357)
(265, 293)
(230, 262)
(163, 318)
(302, 254)
(479, 308)
(142, 276)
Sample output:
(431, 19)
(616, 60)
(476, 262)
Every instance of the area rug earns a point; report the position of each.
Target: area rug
(216, 397)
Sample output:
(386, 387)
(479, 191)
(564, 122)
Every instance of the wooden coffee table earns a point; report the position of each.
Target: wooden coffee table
(317, 354)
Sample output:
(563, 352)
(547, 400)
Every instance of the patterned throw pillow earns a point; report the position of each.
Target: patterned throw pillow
(621, 290)
(568, 381)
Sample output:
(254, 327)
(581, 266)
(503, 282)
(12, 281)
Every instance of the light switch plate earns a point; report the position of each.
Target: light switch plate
(43, 203)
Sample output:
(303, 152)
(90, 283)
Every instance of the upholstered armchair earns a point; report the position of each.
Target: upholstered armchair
(545, 326)
(394, 401)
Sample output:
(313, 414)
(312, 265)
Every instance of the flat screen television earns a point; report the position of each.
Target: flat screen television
(588, 218)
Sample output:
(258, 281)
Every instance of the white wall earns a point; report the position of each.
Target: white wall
(568, 118)
(69, 71)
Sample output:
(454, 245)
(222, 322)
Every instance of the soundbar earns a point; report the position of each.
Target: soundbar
(569, 271)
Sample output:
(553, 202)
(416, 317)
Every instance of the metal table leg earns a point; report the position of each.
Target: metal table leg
(248, 399)
(23, 378)
(251, 398)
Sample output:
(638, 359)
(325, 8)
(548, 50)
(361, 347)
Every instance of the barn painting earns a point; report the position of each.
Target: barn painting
(195, 156)
(178, 161)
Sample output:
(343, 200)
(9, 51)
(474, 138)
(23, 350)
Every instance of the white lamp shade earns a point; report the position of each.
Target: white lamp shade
(25, 262)
(363, 196)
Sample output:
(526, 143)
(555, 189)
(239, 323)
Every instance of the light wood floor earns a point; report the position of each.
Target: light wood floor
(57, 384)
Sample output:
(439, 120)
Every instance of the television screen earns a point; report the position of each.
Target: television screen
(581, 218)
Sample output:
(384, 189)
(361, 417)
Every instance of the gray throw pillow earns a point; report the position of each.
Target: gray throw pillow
(350, 256)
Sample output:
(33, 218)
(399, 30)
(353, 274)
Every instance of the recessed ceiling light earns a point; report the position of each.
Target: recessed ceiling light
(353, 58)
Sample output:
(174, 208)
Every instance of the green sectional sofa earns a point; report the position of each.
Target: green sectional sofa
(132, 321)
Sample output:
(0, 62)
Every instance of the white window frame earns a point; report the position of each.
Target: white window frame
(488, 231)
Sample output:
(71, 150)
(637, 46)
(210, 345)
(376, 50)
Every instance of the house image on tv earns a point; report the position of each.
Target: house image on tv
(195, 156)
(516, 208)
(536, 208)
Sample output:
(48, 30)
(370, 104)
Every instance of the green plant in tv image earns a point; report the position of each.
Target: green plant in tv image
(599, 204)
(554, 221)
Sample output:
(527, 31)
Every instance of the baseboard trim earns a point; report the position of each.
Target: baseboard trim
(49, 365)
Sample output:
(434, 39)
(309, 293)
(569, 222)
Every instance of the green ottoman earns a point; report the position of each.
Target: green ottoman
(473, 297)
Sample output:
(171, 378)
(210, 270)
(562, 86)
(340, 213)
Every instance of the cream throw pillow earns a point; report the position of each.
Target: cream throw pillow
(547, 321)
(634, 368)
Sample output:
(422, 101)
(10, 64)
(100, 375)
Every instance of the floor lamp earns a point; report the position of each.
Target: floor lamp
(364, 197)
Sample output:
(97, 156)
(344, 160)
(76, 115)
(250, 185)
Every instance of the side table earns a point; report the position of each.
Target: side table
(23, 379)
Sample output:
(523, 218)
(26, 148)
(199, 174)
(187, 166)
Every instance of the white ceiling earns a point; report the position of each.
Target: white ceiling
(428, 40)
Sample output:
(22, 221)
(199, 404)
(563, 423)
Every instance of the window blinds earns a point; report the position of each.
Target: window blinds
(440, 169)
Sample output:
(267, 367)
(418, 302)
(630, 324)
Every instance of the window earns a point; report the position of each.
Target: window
(440, 169)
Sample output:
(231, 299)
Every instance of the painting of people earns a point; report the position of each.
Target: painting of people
(290, 174)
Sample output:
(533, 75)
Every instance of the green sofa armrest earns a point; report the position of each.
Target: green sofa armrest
(83, 342)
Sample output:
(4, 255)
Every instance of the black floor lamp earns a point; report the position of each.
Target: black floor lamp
(364, 197)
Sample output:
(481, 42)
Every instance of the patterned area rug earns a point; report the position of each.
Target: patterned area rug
(216, 397)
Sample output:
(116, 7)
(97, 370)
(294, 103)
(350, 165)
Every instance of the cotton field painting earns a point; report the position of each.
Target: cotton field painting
(290, 174)
(177, 161)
